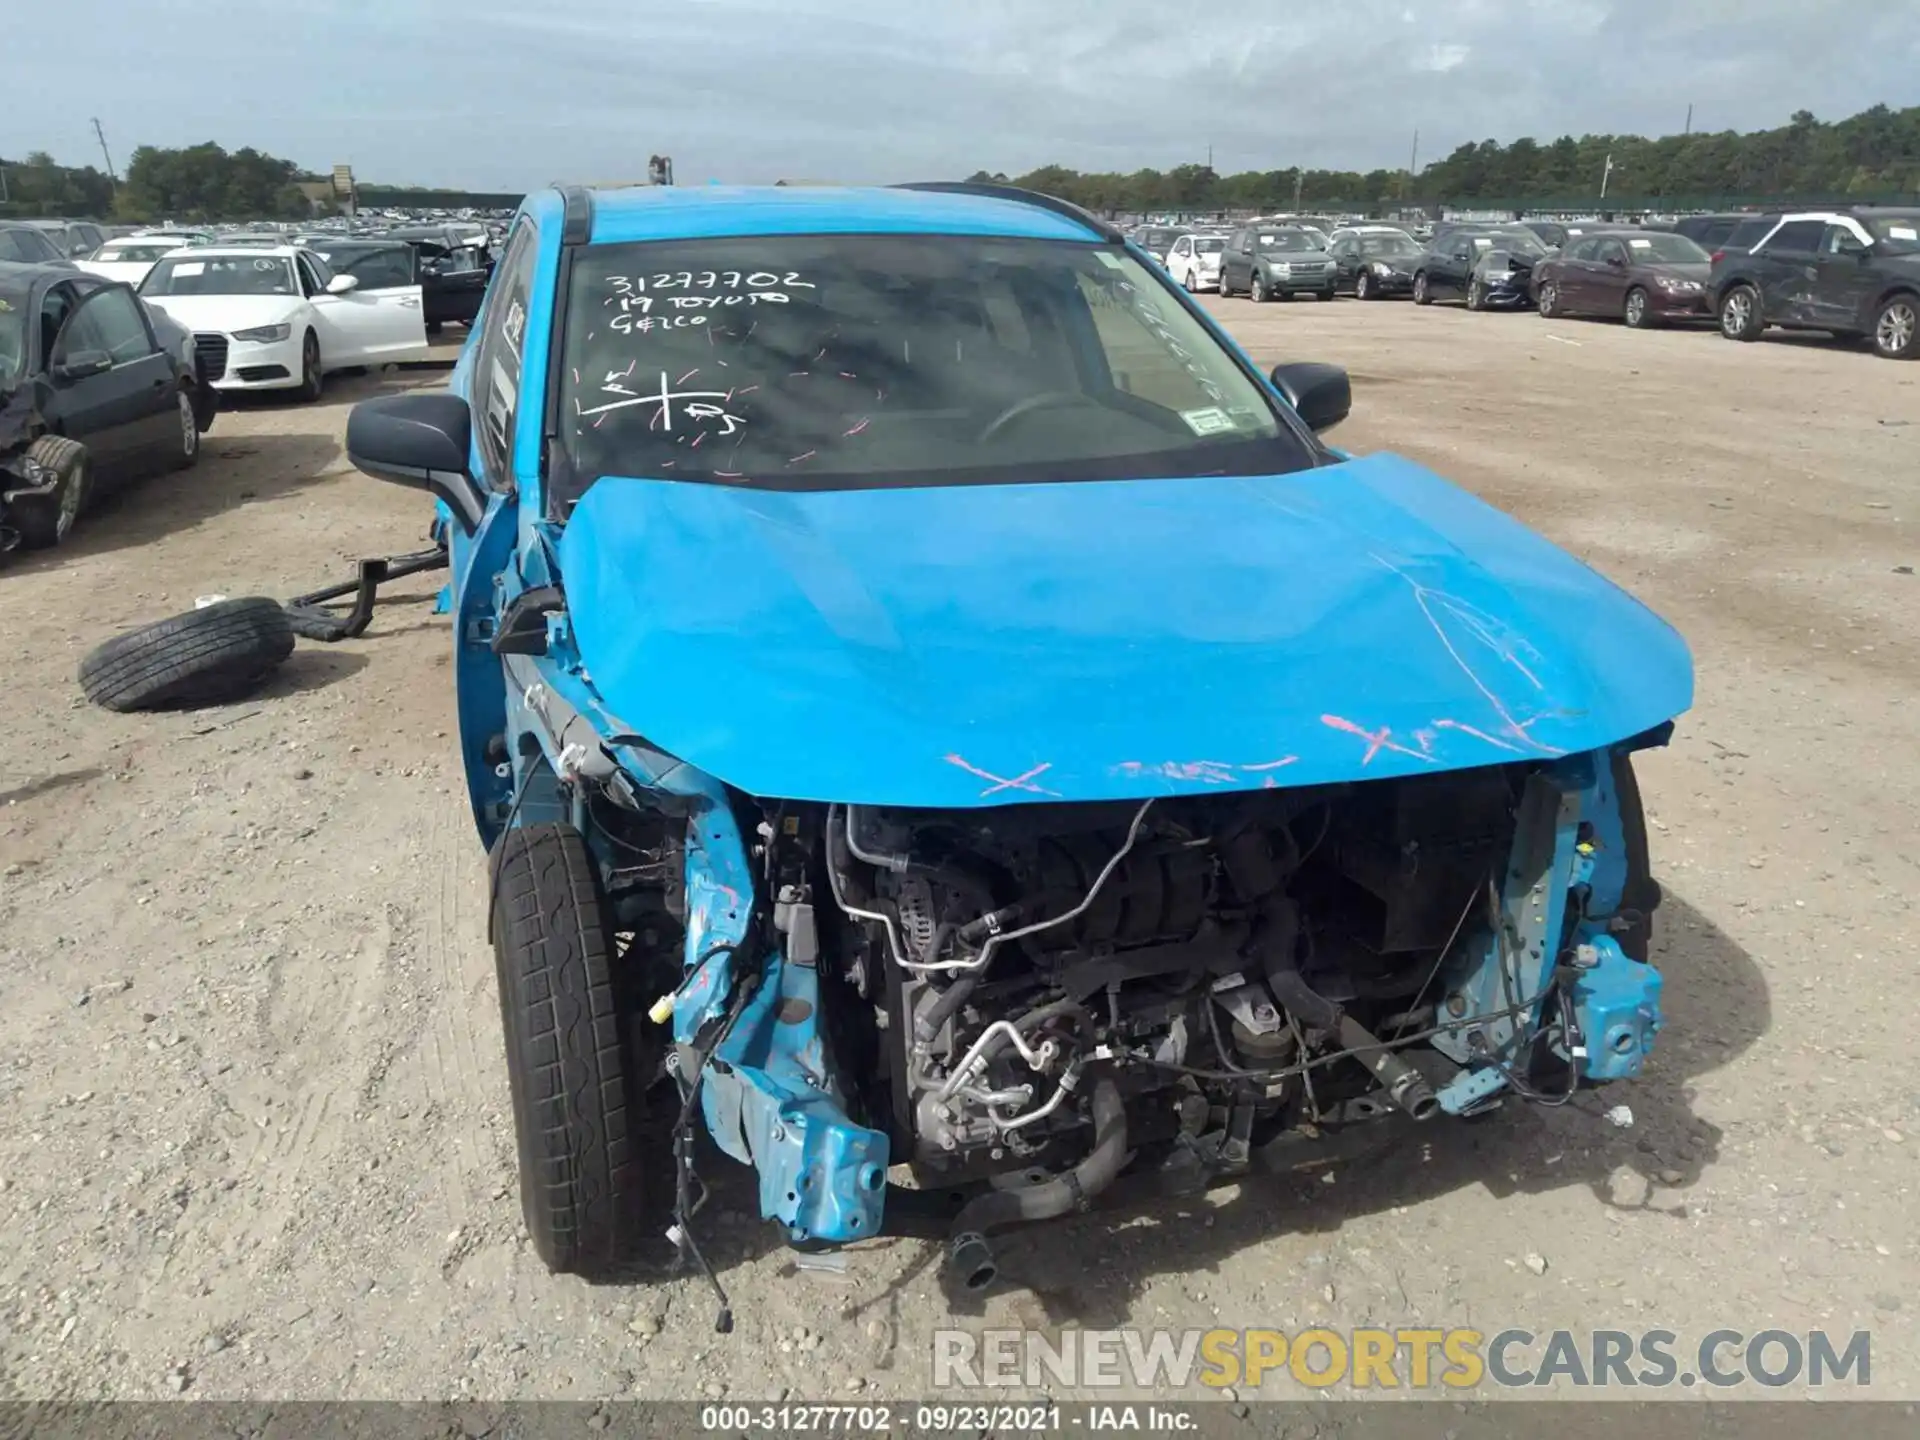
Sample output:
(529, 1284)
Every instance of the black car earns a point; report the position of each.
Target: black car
(1711, 232)
(1853, 273)
(452, 282)
(1491, 266)
(1276, 260)
(1372, 262)
(96, 389)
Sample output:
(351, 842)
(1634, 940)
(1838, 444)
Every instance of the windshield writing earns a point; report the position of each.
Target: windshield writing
(221, 275)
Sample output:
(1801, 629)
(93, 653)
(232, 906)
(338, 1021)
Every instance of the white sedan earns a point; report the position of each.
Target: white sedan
(1194, 261)
(277, 318)
(130, 257)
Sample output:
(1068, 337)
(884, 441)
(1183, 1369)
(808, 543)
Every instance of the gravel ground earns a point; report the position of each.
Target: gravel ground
(253, 1128)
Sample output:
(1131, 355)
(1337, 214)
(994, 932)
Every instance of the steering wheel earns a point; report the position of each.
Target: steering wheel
(1020, 409)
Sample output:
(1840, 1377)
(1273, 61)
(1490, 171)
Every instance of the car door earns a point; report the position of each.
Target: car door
(1343, 251)
(453, 282)
(376, 328)
(113, 387)
(1787, 266)
(1235, 264)
(1845, 279)
(1179, 258)
(1456, 257)
(1606, 292)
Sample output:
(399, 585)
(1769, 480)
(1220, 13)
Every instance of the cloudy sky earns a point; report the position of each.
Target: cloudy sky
(504, 94)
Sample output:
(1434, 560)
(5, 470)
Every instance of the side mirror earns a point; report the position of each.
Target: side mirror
(81, 363)
(420, 440)
(1321, 395)
(341, 284)
(1616, 262)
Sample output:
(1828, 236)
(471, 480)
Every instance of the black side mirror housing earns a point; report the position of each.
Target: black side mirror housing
(1322, 395)
(82, 363)
(422, 441)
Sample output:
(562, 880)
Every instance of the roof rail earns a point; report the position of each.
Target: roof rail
(576, 226)
(1024, 197)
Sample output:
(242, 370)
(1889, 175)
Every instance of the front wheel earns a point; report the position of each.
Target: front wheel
(1476, 295)
(1422, 295)
(1741, 317)
(1637, 314)
(1896, 329)
(313, 380)
(596, 1164)
(46, 519)
(187, 451)
(1363, 286)
(1256, 288)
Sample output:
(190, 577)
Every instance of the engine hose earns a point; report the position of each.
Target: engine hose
(944, 1008)
(969, 1256)
(1276, 937)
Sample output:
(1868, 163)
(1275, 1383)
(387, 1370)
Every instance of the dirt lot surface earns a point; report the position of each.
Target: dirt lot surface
(254, 1138)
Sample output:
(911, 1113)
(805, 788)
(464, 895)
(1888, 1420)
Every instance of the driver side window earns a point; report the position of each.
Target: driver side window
(497, 361)
(108, 320)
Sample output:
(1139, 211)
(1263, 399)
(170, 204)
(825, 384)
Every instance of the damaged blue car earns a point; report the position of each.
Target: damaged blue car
(945, 726)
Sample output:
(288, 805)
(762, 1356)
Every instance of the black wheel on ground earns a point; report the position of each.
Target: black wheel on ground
(1363, 286)
(1422, 295)
(1224, 291)
(596, 1164)
(313, 380)
(1741, 316)
(1896, 328)
(1476, 295)
(434, 327)
(1256, 287)
(46, 520)
(1637, 313)
(1549, 300)
(203, 657)
(1326, 294)
(187, 455)
(1641, 894)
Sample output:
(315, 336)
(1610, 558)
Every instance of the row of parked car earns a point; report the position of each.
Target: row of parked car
(112, 362)
(1853, 272)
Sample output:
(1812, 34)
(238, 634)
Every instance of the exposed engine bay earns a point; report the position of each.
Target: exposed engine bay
(1042, 995)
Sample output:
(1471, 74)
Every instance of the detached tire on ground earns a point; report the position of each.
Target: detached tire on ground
(596, 1167)
(204, 657)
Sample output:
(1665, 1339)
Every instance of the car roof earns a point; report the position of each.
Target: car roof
(666, 212)
(22, 278)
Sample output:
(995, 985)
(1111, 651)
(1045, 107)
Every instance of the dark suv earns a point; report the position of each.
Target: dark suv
(1277, 261)
(1853, 272)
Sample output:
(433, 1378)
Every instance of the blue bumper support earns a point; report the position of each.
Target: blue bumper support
(1616, 1003)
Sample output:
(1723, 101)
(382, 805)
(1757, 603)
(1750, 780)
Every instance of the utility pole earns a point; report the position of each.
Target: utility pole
(101, 135)
(1689, 129)
(1605, 176)
(1299, 179)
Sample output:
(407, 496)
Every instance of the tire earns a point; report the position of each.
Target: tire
(1224, 291)
(188, 453)
(1326, 294)
(44, 521)
(434, 327)
(1636, 312)
(1422, 295)
(1896, 328)
(1641, 894)
(596, 1166)
(1548, 301)
(1476, 295)
(1256, 288)
(203, 657)
(313, 380)
(1741, 317)
(1363, 286)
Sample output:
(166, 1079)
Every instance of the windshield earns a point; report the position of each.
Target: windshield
(221, 275)
(1510, 242)
(1389, 247)
(1284, 242)
(857, 362)
(1661, 248)
(1209, 244)
(139, 254)
(1895, 234)
(13, 339)
(1156, 239)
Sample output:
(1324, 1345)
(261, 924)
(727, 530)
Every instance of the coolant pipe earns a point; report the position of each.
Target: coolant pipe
(970, 1257)
(1404, 1085)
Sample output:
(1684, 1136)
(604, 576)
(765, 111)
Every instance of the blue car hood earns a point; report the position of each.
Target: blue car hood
(980, 645)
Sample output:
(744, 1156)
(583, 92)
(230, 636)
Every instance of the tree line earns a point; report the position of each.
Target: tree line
(1875, 154)
(194, 183)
